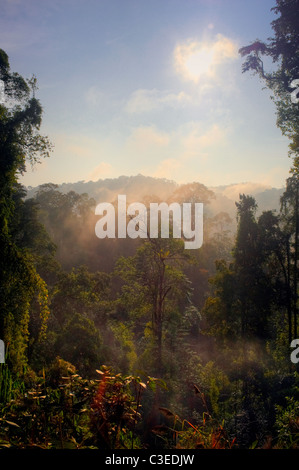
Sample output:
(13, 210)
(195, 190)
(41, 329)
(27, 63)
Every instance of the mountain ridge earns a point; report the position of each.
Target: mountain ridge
(140, 186)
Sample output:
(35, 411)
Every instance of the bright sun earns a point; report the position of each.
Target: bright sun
(195, 60)
(198, 63)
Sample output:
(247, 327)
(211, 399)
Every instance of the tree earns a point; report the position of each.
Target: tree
(243, 290)
(290, 227)
(69, 219)
(80, 343)
(30, 234)
(155, 285)
(246, 313)
(20, 143)
(283, 50)
(192, 192)
(79, 304)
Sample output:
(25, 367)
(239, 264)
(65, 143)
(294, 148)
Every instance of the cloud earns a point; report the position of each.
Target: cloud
(147, 141)
(181, 153)
(79, 146)
(233, 191)
(169, 168)
(197, 142)
(275, 177)
(200, 60)
(175, 154)
(144, 100)
(103, 170)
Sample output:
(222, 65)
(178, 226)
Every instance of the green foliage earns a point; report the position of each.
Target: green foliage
(10, 383)
(80, 343)
(69, 220)
(226, 366)
(116, 410)
(21, 285)
(261, 278)
(44, 416)
(282, 49)
(20, 142)
(287, 424)
(124, 336)
(154, 285)
(60, 409)
(179, 433)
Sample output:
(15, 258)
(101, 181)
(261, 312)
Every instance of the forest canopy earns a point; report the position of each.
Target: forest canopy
(140, 343)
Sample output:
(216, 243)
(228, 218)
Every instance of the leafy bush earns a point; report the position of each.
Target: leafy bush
(287, 424)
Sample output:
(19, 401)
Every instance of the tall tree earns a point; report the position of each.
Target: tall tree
(155, 284)
(20, 143)
(243, 293)
(290, 227)
(283, 80)
(69, 220)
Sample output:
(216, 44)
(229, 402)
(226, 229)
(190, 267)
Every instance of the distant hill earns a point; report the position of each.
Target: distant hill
(267, 198)
(136, 188)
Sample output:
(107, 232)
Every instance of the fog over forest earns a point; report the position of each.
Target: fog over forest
(137, 313)
(138, 187)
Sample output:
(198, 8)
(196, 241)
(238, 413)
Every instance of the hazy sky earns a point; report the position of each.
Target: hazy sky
(147, 86)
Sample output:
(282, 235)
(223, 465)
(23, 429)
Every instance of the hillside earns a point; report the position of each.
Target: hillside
(136, 188)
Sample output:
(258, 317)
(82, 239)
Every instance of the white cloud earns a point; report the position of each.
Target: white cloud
(275, 177)
(198, 142)
(147, 141)
(233, 191)
(103, 170)
(144, 100)
(179, 154)
(168, 168)
(79, 146)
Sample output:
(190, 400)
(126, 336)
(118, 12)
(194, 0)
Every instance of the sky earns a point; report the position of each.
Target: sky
(152, 87)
